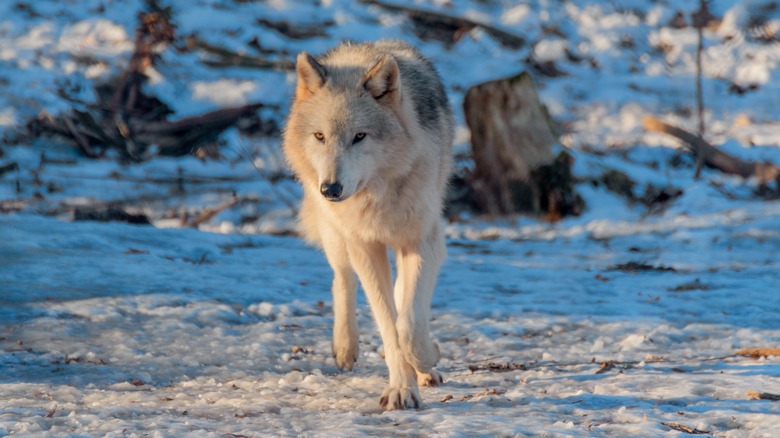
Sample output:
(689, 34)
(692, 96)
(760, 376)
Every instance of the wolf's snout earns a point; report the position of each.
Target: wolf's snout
(331, 191)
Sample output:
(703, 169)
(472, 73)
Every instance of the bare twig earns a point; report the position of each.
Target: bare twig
(686, 429)
(501, 367)
(208, 213)
(80, 140)
(713, 157)
(700, 19)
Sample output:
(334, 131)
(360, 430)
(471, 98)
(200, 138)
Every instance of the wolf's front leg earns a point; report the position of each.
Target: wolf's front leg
(373, 268)
(418, 267)
(345, 333)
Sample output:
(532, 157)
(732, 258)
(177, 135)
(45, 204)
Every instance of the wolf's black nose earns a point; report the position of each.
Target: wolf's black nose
(331, 191)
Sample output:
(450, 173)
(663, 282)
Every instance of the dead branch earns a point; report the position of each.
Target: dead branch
(296, 31)
(154, 29)
(458, 25)
(713, 157)
(82, 142)
(221, 57)
(755, 395)
(208, 213)
(700, 19)
(686, 429)
(758, 353)
(9, 167)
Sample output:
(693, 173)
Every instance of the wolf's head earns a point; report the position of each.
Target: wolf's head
(346, 127)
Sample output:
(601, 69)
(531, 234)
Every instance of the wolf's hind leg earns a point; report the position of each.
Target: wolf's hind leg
(418, 268)
(345, 332)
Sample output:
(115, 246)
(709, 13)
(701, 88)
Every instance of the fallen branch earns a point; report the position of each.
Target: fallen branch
(457, 24)
(110, 212)
(715, 158)
(82, 142)
(758, 353)
(9, 167)
(224, 58)
(182, 136)
(208, 213)
(296, 31)
(755, 395)
(686, 429)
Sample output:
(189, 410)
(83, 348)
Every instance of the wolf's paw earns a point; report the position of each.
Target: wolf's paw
(400, 398)
(431, 378)
(345, 352)
(345, 357)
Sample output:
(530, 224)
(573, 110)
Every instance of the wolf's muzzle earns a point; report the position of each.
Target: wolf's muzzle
(331, 191)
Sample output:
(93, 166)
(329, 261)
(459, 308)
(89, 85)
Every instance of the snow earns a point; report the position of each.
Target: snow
(110, 329)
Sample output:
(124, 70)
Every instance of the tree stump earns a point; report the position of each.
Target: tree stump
(511, 140)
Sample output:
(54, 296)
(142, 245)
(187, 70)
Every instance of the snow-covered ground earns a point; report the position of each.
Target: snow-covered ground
(109, 329)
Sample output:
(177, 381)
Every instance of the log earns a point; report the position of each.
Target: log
(511, 140)
(715, 158)
(180, 137)
(456, 25)
(221, 57)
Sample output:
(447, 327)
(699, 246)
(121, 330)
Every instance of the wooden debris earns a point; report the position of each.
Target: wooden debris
(715, 158)
(498, 367)
(108, 213)
(128, 120)
(694, 285)
(758, 353)
(605, 366)
(135, 251)
(296, 31)
(466, 397)
(221, 57)
(184, 136)
(454, 26)
(154, 30)
(12, 205)
(755, 395)
(635, 267)
(686, 429)
(208, 213)
(13, 166)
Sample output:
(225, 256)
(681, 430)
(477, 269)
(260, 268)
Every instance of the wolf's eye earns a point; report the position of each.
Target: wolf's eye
(359, 137)
(319, 136)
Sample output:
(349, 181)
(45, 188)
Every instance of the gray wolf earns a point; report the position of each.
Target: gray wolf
(369, 136)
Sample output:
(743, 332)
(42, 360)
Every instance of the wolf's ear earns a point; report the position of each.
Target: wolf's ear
(311, 76)
(383, 80)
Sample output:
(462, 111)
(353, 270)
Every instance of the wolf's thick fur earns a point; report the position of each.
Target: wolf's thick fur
(369, 135)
